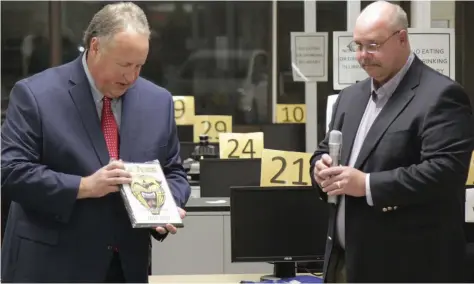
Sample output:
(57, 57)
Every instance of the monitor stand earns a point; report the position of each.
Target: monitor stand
(281, 270)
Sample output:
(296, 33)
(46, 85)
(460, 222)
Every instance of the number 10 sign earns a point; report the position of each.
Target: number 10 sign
(285, 168)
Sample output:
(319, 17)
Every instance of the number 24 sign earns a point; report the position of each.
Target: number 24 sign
(240, 145)
(285, 168)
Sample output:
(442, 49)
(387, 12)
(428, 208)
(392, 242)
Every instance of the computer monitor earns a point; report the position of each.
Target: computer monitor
(283, 225)
(218, 175)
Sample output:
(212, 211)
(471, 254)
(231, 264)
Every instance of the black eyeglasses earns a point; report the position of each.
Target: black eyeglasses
(369, 48)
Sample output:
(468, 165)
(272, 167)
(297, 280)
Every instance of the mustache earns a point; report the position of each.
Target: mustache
(365, 63)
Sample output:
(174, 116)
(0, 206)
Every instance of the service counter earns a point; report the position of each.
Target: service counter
(203, 245)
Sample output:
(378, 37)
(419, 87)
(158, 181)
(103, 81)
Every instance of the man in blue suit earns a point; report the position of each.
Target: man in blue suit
(67, 221)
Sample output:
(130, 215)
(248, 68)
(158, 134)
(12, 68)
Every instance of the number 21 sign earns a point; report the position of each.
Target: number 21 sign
(285, 168)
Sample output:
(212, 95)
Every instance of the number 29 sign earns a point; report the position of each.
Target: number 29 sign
(211, 125)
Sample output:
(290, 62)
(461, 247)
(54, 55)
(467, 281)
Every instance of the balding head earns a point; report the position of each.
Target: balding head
(384, 14)
(381, 40)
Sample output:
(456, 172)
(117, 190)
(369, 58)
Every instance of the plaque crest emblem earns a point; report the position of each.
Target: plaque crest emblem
(149, 192)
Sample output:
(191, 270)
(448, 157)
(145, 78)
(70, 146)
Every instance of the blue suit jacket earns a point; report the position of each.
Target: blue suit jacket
(50, 139)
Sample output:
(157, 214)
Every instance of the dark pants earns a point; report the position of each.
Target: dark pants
(337, 267)
(341, 267)
(470, 262)
(115, 272)
(341, 276)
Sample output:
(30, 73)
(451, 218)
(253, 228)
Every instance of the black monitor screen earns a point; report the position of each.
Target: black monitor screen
(277, 224)
(218, 175)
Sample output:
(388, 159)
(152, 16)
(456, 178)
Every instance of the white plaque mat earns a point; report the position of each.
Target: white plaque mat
(148, 198)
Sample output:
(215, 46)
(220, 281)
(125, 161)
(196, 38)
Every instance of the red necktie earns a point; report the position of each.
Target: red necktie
(110, 129)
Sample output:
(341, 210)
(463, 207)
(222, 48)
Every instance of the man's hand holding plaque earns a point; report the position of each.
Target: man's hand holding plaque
(170, 228)
(148, 199)
(104, 181)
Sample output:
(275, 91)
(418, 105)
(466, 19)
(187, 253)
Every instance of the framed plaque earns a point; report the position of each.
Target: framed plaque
(148, 198)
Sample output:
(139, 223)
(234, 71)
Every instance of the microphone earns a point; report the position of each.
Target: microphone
(335, 146)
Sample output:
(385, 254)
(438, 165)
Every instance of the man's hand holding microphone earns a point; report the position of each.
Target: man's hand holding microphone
(335, 179)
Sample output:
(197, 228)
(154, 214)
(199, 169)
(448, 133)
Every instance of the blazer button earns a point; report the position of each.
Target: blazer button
(329, 238)
(384, 209)
(110, 248)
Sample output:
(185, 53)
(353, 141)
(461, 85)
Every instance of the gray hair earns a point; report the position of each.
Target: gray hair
(114, 18)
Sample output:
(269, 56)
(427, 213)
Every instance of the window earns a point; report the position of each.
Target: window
(290, 19)
(25, 44)
(215, 51)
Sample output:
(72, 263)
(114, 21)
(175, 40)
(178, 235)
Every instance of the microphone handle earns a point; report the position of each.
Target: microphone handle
(335, 162)
(332, 199)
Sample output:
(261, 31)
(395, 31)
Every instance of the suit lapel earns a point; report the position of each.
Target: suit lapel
(358, 103)
(395, 105)
(82, 97)
(130, 122)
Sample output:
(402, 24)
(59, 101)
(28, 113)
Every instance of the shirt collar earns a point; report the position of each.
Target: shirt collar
(95, 92)
(387, 89)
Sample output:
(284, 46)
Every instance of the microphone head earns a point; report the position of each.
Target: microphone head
(335, 137)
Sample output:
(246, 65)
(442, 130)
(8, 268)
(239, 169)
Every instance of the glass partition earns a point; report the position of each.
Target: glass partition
(219, 52)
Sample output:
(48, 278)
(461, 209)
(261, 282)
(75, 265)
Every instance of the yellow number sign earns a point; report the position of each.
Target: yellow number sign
(240, 145)
(470, 177)
(183, 110)
(284, 168)
(211, 125)
(291, 113)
